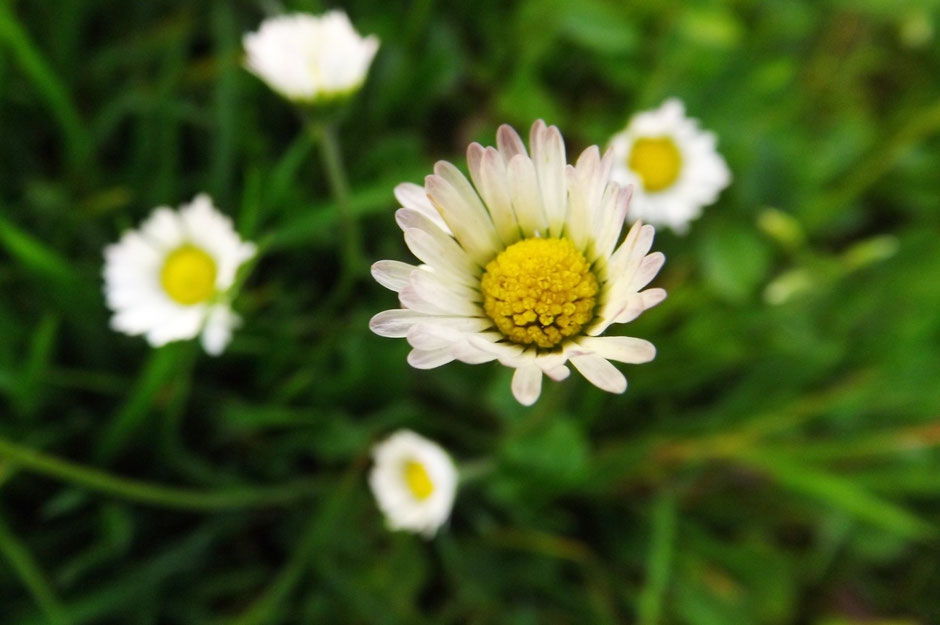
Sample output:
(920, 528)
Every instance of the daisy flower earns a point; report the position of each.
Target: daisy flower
(169, 279)
(673, 164)
(522, 266)
(310, 59)
(414, 482)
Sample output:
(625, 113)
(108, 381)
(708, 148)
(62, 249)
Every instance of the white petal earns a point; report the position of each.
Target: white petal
(163, 229)
(308, 58)
(509, 143)
(184, 323)
(421, 359)
(652, 297)
(548, 155)
(394, 324)
(600, 373)
(579, 224)
(494, 344)
(610, 223)
(392, 274)
(526, 197)
(414, 196)
(633, 249)
(620, 348)
(527, 384)
(428, 337)
(647, 270)
(463, 211)
(488, 171)
(559, 373)
(443, 254)
(411, 218)
(218, 329)
(397, 322)
(430, 293)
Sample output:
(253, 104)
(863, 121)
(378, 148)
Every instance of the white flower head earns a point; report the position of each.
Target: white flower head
(414, 482)
(522, 266)
(674, 166)
(169, 279)
(310, 59)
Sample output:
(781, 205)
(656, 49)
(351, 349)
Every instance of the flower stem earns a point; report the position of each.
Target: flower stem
(352, 257)
(148, 493)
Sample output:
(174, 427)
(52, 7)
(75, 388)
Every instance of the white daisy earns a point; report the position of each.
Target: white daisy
(673, 164)
(521, 266)
(169, 279)
(414, 482)
(310, 59)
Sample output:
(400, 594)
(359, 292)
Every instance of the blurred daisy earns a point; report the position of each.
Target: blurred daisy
(672, 163)
(310, 59)
(169, 280)
(414, 482)
(522, 266)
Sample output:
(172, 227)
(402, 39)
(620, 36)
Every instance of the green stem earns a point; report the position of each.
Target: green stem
(32, 576)
(351, 252)
(148, 493)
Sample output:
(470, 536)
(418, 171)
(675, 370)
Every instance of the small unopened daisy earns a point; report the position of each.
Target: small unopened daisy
(522, 266)
(169, 280)
(674, 166)
(310, 59)
(414, 482)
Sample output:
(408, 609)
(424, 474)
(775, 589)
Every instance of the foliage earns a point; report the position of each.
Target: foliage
(777, 463)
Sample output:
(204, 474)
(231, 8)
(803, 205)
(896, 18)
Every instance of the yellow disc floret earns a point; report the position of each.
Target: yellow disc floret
(418, 480)
(656, 161)
(188, 275)
(539, 291)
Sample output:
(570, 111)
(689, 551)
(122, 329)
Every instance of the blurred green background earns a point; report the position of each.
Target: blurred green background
(777, 463)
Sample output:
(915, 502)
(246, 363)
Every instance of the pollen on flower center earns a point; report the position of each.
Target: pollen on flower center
(418, 480)
(188, 275)
(656, 161)
(539, 291)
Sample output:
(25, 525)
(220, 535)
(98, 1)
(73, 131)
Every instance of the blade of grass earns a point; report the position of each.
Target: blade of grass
(50, 86)
(662, 544)
(25, 567)
(148, 493)
(33, 254)
(837, 492)
(160, 368)
(37, 364)
(226, 48)
(129, 586)
(318, 530)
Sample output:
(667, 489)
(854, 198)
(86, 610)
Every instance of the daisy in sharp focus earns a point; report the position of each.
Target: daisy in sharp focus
(674, 166)
(309, 59)
(522, 266)
(414, 482)
(169, 280)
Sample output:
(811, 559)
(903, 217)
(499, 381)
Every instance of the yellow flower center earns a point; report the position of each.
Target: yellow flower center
(656, 161)
(418, 481)
(188, 275)
(539, 291)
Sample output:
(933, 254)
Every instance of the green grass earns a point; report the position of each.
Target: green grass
(777, 463)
